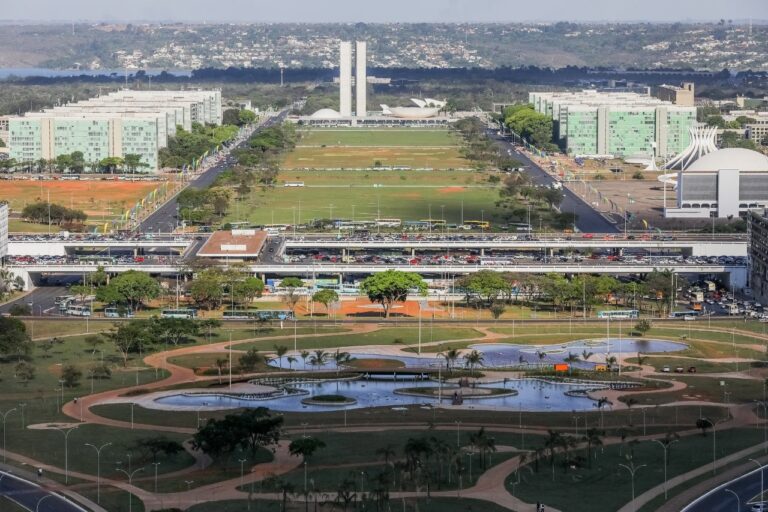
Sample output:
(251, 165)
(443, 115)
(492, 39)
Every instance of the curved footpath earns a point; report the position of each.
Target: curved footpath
(489, 487)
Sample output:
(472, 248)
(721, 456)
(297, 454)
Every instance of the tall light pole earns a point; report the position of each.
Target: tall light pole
(98, 468)
(156, 464)
(22, 405)
(738, 501)
(66, 433)
(242, 462)
(5, 417)
(37, 507)
(765, 423)
(760, 466)
(632, 470)
(665, 446)
(130, 482)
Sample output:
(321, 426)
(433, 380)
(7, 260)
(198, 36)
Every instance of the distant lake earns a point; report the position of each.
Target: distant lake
(52, 73)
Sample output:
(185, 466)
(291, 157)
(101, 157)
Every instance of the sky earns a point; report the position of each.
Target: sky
(372, 11)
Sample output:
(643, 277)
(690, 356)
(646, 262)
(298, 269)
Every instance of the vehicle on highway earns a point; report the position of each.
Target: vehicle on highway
(179, 313)
(117, 313)
(619, 314)
(759, 507)
(264, 315)
(74, 310)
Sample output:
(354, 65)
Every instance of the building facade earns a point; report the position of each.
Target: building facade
(114, 125)
(620, 124)
(683, 95)
(757, 224)
(3, 230)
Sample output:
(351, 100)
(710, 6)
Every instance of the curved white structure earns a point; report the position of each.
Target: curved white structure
(326, 113)
(424, 109)
(702, 143)
(745, 160)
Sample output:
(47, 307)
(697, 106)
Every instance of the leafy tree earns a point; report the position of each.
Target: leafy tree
(207, 290)
(131, 288)
(291, 286)
(71, 375)
(132, 162)
(485, 286)
(111, 163)
(473, 359)
(305, 447)
(156, 445)
(529, 124)
(703, 424)
(450, 356)
(14, 340)
(94, 341)
(325, 297)
(280, 351)
(250, 359)
(248, 430)
(643, 326)
(391, 286)
(129, 337)
(24, 371)
(731, 139)
(173, 330)
(249, 288)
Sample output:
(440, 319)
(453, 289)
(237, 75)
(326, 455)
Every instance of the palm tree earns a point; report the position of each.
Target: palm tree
(450, 357)
(473, 359)
(304, 355)
(586, 355)
(291, 360)
(611, 360)
(483, 444)
(220, 365)
(592, 437)
(280, 350)
(319, 357)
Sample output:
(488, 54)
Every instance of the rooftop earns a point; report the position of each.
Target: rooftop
(238, 243)
(732, 158)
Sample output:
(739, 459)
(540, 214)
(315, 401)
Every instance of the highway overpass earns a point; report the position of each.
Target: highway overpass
(69, 246)
(736, 274)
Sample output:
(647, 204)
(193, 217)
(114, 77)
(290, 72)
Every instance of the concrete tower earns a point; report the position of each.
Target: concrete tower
(361, 79)
(345, 79)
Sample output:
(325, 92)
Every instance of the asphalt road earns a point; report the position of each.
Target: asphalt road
(747, 487)
(29, 495)
(164, 216)
(588, 220)
(42, 298)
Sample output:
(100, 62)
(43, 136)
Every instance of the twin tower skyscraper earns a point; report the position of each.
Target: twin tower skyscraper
(345, 79)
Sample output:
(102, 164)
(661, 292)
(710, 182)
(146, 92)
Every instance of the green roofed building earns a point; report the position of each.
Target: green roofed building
(114, 125)
(623, 124)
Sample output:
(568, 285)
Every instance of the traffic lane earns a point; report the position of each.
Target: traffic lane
(41, 298)
(29, 495)
(588, 219)
(747, 487)
(166, 214)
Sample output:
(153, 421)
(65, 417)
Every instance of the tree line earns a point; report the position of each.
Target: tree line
(43, 212)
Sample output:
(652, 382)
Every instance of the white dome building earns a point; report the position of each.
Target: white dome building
(326, 113)
(725, 184)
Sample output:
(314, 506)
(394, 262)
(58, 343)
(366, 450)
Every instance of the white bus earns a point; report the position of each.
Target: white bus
(619, 314)
(79, 311)
(389, 223)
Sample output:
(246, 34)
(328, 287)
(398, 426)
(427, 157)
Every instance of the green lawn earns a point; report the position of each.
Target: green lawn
(408, 336)
(705, 388)
(382, 137)
(20, 226)
(407, 505)
(608, 485)
(406, 195)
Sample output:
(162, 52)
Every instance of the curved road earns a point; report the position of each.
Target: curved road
(33, 497)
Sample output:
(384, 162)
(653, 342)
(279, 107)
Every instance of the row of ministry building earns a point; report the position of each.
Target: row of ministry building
(113, 125)
(622, 124)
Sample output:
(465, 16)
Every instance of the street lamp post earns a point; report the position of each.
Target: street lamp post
(66, 433)
(98, 468)
(156, 464)
(5, 417)
(37, 507)
(22, 405)
(458, 424)
(760, 466)
(242, 462)
(632, 470)
(130, 482)
(665, 447)
(765, 423)
(738, 500)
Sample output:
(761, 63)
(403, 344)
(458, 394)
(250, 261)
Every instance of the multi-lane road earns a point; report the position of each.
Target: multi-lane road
(33, 497)
(747, 488)
(165, 216)
(588, 219)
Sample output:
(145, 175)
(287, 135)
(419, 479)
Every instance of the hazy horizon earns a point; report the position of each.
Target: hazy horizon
(393, 11)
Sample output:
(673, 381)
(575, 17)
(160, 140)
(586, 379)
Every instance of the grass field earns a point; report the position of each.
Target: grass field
(380, 137)
(361, 149)
(405, 195)
(99, 199)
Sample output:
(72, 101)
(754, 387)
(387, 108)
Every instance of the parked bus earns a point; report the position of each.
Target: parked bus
(434, 222)
(619, 314)
(257, 315)
(683, 314)
(79, 310)
(389, 223)
(711, 286)
(179, 313)
(477, 224)
(117, 313)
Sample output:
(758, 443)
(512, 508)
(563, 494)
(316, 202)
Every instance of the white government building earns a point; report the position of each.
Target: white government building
(726, 183)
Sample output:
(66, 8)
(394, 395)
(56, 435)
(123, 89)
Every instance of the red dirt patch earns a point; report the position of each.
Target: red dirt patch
(451, 190)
